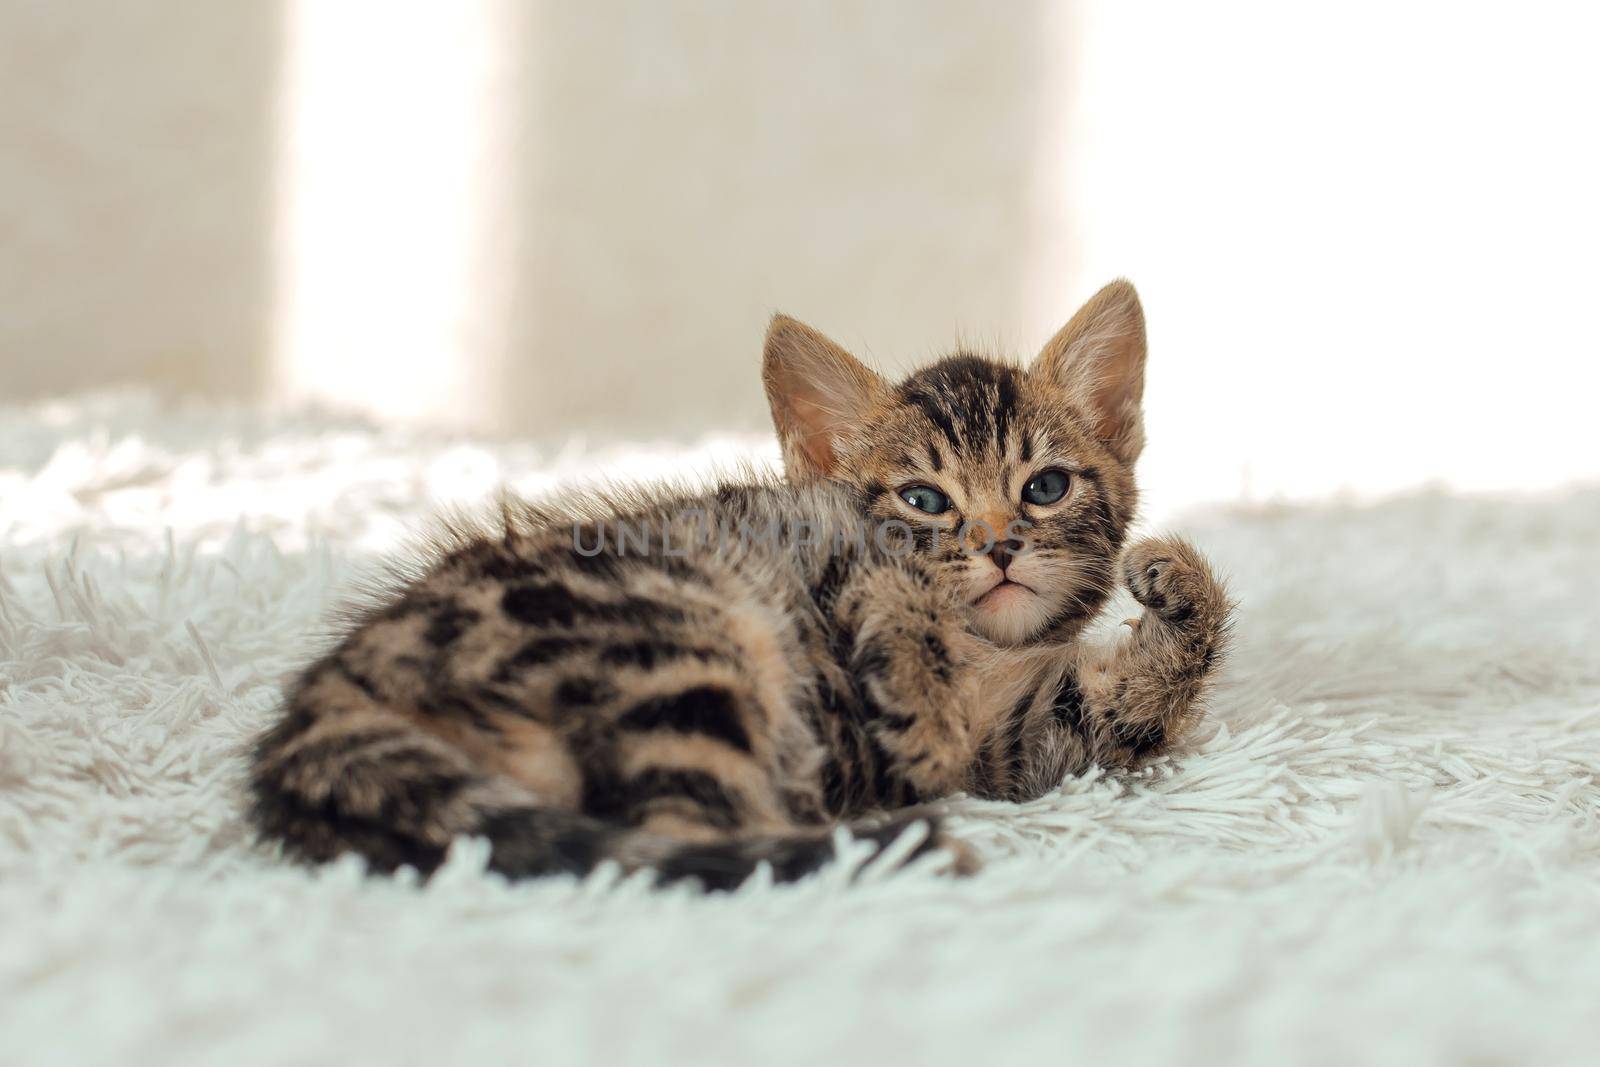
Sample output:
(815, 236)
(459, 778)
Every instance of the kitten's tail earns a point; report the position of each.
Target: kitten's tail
(397, 796)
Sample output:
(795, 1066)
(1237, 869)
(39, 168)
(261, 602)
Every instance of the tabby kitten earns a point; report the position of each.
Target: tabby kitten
(700, 682)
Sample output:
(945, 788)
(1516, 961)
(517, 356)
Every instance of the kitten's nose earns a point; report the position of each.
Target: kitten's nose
(1003, 552)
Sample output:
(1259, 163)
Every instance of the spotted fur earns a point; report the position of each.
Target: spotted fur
(700, 683)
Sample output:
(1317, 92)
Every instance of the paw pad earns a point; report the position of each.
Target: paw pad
(1162, 581)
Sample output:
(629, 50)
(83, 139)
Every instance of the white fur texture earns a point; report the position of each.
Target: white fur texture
(1385, 848)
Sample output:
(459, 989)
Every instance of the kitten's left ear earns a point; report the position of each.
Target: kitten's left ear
(1098, 359)
(820, 396)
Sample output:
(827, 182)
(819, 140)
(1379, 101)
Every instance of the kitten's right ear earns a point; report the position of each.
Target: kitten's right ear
(819, 394)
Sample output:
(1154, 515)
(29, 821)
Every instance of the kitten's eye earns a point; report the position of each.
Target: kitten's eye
(926, 498)
(1046, 487)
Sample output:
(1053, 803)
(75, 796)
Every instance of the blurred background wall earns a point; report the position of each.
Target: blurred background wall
(137, 207)
(1365, 234)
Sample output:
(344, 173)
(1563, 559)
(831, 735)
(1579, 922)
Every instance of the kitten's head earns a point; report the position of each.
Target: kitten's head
(1017, 482)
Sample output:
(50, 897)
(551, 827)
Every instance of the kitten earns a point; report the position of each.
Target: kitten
(700, 682)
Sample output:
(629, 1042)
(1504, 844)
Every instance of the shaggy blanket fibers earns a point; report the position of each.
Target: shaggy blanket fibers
(1386, 845)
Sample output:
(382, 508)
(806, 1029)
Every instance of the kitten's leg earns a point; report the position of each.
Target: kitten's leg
(912, 660)
(696, 761)
(1147, 692)
(1122, 706)
(689, 771)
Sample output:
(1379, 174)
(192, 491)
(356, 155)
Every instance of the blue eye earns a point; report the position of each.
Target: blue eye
(925, 498)
(1046, 487)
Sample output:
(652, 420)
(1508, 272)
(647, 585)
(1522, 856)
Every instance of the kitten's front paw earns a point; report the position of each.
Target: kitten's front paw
(1173, 581)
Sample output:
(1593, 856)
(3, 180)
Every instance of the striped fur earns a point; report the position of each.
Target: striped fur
(699, 683)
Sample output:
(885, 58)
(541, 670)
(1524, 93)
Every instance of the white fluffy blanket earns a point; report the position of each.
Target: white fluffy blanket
(1386, 846)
